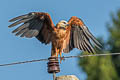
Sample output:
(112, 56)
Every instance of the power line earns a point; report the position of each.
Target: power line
(14, 63)
(79, 56)
(82, 56)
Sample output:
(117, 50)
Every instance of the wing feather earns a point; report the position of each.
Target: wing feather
(19, 17)
(35, 24)
(22, 31)
(18, 22)
(20, 27)
(89, 35)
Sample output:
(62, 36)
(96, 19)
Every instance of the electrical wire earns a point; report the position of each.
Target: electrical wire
(79, 56)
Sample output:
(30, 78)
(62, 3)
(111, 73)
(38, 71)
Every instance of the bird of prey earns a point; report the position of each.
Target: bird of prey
(64, 37)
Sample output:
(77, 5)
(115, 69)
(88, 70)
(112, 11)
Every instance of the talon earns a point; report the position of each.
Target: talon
(62, 59)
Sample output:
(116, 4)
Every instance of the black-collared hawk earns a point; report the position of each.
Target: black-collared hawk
(64, 36)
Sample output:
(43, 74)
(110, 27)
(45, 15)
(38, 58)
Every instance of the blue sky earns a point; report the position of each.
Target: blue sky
(94, 13)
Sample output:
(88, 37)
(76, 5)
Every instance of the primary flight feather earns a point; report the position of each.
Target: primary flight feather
(64, 36)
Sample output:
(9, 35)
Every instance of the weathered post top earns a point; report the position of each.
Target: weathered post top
(67, 77)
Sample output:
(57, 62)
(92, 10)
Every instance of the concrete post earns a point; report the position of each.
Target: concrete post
(67, 77)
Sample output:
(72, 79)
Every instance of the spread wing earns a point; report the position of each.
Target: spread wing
(35, 24)
(78, 36)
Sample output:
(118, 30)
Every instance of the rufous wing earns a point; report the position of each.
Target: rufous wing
(35, 24)
(79, 37)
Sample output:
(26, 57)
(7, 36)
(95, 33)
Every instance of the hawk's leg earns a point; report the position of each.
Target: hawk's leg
(60, 53)
(53, 52)
(57, 52)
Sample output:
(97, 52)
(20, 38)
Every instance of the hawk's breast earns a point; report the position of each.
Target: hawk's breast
(60, 33)
(58, 39)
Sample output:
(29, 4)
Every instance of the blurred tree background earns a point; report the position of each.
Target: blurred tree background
(107, 67)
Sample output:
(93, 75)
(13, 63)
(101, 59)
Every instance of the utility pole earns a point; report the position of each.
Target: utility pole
(53, 68)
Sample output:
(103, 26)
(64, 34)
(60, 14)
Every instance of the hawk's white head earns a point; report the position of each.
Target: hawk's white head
(62, 24)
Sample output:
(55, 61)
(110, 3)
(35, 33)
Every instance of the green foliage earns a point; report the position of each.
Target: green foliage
(98, 68)
(114, 39)
(107, 67)
(114, 31)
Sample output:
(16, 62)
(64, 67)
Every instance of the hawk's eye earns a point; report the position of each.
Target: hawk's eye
(64, 22)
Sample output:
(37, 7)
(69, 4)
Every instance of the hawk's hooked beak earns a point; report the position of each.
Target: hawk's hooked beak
(67, 24)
